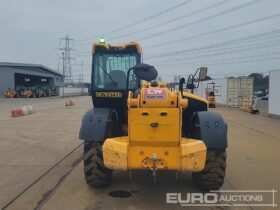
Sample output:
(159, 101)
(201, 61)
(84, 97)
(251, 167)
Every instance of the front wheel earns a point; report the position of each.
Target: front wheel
(96, 174)
(213, 174)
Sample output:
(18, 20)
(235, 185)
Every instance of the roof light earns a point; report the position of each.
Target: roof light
(102, 40)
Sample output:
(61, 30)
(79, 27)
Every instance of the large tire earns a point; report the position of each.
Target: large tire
(212, 176)
(96, 174)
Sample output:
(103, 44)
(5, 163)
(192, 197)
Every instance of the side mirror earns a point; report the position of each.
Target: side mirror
(191, 86)
(202, 73)
(145, 72)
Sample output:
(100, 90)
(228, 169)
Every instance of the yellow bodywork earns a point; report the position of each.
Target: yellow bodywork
(107, 46)
(190, 155)
(190, 95)
(211, 101)
(166, 133)
(154, 139)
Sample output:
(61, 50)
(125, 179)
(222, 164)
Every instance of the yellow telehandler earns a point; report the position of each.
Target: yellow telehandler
(138, 123)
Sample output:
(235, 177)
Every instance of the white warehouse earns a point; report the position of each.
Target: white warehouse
(274, 94)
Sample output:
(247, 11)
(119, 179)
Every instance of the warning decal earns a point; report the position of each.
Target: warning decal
(154, 94)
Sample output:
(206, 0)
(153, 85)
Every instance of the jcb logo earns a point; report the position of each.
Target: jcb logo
(158, 94)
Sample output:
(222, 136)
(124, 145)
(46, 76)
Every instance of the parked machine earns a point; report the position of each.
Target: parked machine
(251, 108)
(31, 92)
(37, 92)
(26, 93)
(211, 96)
(10, 93)
(138, 123)
(211, 99)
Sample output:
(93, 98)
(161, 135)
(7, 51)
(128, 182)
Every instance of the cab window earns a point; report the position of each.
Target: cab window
(110, 71)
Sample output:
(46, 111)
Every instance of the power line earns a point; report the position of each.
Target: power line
(201, 20)
(215, 45)
(49, 56)
(152, 16)
(264, 45)
(216, 31)
(171, 21)
(119, 19)
(145, 19)
(210, 47)
(223, 60)
(235, 62)
(256, 37)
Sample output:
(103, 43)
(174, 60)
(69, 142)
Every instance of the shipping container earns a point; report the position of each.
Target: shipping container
(274, 95)
(229, 91)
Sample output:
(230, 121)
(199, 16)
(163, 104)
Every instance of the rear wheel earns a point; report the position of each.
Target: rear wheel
(96, 174)
(213, 174)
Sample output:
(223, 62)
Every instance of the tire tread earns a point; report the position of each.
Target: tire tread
(96, 174)
(213, 174)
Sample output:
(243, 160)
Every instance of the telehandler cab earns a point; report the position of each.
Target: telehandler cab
(138, 123)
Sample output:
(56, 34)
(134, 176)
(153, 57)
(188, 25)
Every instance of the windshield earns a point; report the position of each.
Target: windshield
(110, 71)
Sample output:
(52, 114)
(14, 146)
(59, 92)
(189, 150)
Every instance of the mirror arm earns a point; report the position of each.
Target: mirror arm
(181, 83)
(195, 75)
(198, 83)
(198, 78)
(191, 77)
(127, 78)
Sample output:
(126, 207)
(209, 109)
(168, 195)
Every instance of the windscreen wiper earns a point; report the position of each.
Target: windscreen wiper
(114, 82)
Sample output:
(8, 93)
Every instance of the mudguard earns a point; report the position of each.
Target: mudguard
(96, 123)
(213, 130)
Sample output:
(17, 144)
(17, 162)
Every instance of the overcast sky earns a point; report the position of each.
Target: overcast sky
(31, 29)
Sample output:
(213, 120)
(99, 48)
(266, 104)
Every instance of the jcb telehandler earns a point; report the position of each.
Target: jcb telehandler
(138, 123)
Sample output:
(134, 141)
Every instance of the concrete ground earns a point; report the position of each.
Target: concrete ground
(41, 168)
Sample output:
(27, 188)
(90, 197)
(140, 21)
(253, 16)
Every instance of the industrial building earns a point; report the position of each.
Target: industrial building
(274, 95)
(18, 75)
